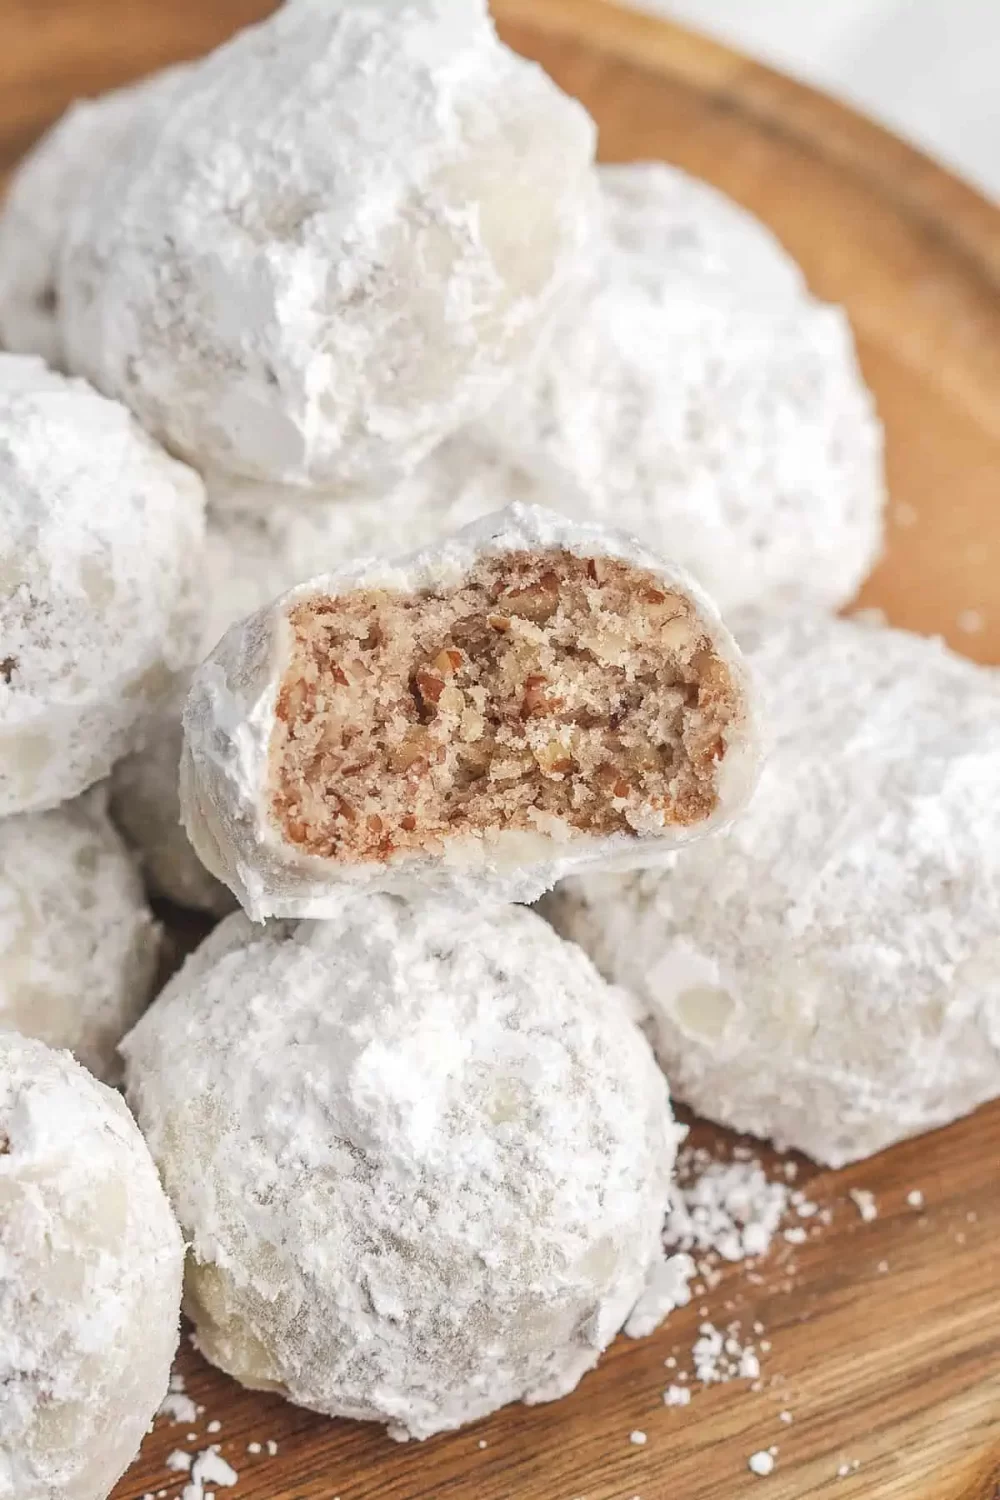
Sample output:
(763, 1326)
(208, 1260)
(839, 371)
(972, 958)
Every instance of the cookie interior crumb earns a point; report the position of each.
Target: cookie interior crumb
(543, 689)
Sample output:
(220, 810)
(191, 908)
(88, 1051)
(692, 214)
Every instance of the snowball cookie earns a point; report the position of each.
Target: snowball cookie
(694, 391)
(421, 1157)
(477, 719)
(330, 252)
(146, 808)
(78, 945)
(57, 174)
(90, 1279)
(100, 535)
(260, 541)
(827, 973)
(673, 222)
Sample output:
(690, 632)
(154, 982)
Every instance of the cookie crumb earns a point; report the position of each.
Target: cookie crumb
(760, 1463)
(864, 1202)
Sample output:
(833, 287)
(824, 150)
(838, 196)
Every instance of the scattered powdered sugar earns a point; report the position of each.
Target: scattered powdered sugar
(176, 1405)
(729, 1208)
(210, 1467)
(761, 1463)
(677, 1395)
(864, 1202)
(719, 1356)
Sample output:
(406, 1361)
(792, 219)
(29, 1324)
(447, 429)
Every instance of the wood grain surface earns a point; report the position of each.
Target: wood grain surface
(885, 1336)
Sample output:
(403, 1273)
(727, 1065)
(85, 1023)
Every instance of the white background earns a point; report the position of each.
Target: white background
(929, 69)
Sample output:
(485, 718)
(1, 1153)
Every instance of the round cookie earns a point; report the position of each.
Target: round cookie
(827, 972)
(336, 246)
(421, 1157)
(58, 173)
(100, 542)
(91, 1285)
(528, 698)
(78, 945)
(696, 396)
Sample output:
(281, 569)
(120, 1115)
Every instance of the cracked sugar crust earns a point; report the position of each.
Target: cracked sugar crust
(91, 1261)
(78, 945)
(827, 972)
(695, 390)
(100, 542)
(336, 246)
(260, 541)
(527, 698)
(58, 173)
(421, 1158)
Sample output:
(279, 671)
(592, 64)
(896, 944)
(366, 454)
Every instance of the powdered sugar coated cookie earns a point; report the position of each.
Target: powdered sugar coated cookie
(827, 972)
(78, 945)
(669, 223)
(333, 249)
(91, 1284)
(57, 174)
(100, 538)
(694, 395)
(434, 1181)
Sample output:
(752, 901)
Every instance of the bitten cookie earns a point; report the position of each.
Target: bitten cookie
(529, 698)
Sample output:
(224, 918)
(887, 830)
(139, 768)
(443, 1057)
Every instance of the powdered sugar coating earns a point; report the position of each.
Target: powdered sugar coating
(100, 536)
(57, 174)
(230, 716)
(332, 249)
(827, 973)
(90, 1279)
(78, 945)
(673, 223)
(695, 395)
(421, 1160)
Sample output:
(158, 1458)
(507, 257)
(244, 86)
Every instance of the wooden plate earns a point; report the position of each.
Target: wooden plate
(884, 1336)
